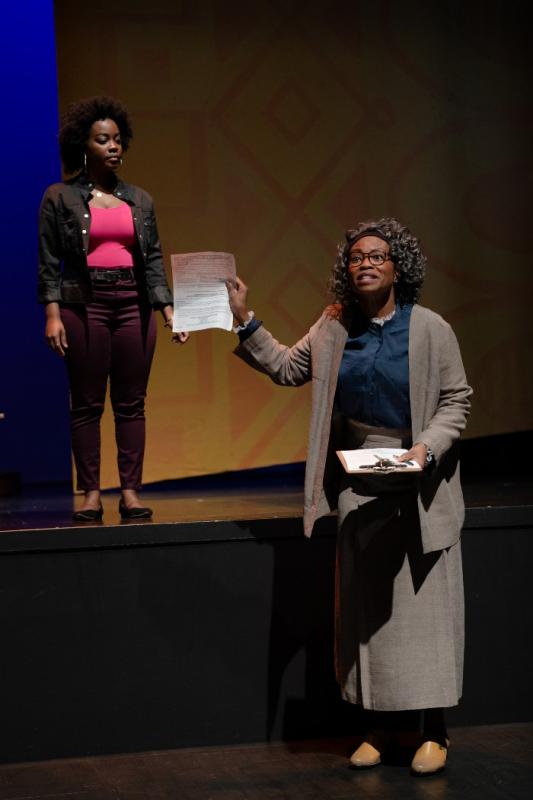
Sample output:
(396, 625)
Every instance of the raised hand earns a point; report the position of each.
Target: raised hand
(238, 293)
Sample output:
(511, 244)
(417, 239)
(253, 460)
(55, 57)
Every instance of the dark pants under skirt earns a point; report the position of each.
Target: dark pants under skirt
(399, 612)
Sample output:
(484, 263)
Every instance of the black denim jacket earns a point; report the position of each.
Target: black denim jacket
(64, 226)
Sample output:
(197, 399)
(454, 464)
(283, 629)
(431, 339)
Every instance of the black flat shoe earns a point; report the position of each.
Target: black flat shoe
(134, 513)
(88, 515)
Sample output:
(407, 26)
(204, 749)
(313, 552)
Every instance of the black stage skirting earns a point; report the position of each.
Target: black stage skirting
(214, 623)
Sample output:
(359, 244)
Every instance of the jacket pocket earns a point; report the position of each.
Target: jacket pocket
(69, 232)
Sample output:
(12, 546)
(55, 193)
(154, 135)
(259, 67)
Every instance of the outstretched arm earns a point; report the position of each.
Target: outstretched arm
(287, 366)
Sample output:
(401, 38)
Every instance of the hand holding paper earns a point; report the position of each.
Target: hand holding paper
(238, 293)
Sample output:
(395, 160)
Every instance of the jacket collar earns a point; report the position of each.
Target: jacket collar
(123, 190)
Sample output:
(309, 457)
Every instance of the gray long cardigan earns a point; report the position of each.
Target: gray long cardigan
(439, 396)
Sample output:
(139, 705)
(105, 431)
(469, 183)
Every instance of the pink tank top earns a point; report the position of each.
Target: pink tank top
(112, 238)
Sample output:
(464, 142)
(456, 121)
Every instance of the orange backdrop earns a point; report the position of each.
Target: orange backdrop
(267, 128)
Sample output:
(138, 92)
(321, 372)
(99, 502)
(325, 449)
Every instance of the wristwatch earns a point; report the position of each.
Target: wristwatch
(430, 457)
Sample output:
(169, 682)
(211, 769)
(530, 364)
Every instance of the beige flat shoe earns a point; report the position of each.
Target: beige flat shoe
(368, 754)
(429, 758)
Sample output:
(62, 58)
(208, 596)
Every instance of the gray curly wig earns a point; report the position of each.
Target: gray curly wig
(405, 251)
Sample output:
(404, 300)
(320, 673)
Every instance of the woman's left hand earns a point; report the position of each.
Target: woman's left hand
(418, 453)
(180, 337)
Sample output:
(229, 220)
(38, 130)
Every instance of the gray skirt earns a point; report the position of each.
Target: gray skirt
(399, 616)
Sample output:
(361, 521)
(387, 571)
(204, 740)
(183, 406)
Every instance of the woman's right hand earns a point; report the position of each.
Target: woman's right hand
(56, 335)
(238, 293)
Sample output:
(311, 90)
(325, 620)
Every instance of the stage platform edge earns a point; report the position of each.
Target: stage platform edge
(135, 637)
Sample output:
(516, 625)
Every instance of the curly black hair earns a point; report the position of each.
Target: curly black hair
(405, 251)
(76, 124)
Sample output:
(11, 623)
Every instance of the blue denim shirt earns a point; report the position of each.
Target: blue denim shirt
(373, 381)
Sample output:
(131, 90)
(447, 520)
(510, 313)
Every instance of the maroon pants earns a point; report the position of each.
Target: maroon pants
(112, 337)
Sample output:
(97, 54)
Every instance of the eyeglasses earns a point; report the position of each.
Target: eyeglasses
(376, 258)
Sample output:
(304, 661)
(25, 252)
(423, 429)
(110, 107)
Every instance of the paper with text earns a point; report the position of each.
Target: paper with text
(200, 293)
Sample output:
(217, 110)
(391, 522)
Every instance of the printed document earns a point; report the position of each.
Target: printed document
(200, 293)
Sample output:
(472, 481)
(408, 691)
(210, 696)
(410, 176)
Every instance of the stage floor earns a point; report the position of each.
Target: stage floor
(485, 763)
(51, 507)
(41, 508)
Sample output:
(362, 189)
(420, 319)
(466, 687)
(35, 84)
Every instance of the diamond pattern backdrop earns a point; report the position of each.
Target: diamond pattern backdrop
(267, 128)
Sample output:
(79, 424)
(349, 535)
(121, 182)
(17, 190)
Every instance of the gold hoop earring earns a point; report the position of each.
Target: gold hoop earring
(120, 159)
(85, 162)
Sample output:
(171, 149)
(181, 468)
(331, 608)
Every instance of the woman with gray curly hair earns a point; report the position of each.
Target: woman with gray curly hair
(386, 373)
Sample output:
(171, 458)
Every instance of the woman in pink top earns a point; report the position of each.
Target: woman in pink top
(101, 274)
